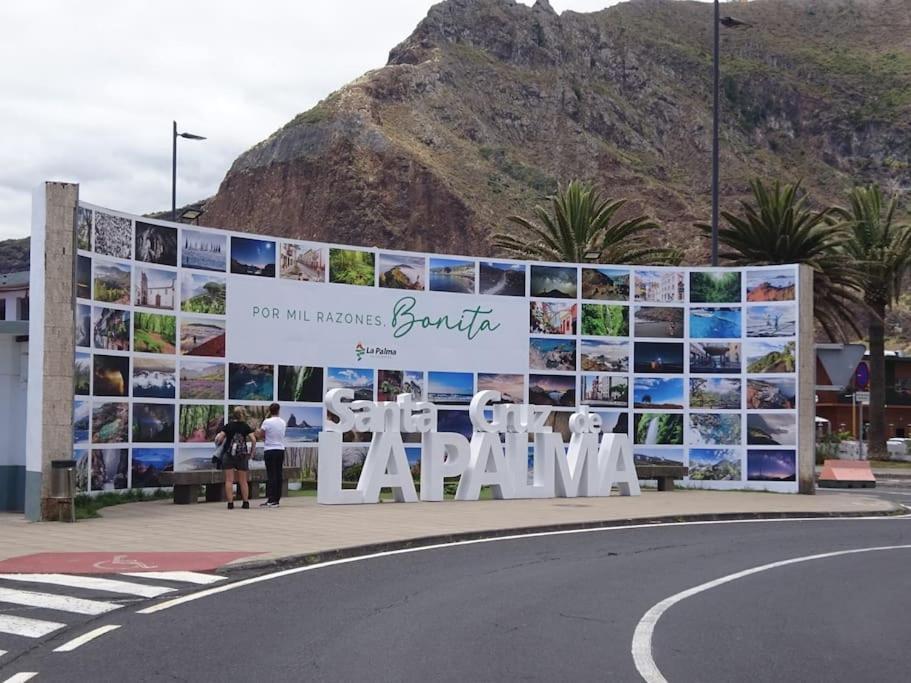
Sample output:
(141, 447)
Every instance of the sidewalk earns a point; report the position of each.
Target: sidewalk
(301, 527)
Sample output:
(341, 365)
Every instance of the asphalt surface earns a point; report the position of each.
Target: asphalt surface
(561, 607)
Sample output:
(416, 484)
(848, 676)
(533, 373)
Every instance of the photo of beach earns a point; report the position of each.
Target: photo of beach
(147, 466)
(609, 284)
(113, 235)
(715, 288)
(351, 267)
(772, 356)
(155, 333)
(644, 457)
(156, 244)
(605, 320)
(301, 261)
(715, 357)
(110, 470)
(251, 382)
(110, 329)
(153, 422)
(772, 285)
(83, 277)
(779, 393)
(202, 337)
(551, 354)
(552, 390)
(603, 356)
(82, 419)
(358, 379)
(658, 428)
(401, 272)
(110, 375)
(193, 458)
(82, 375)
(605, 390)
(154, 288)
(450, 388)
(154, 378)
(658, 393)
(200, 423)
(714, 429)
(658, 321)
(511, 387)
(715, 323)
(660, 286)
(452, 275)
(554, 282)
(303, 423)
(300, 383)
(658, 357)
(111, 422)
(552, 318)
(613, 421)
(252, 257)
(202, 380)
(772, 321)
(203, 293)
(111, 282)
(502, 279)
(83, 228)
(715, 464)
(771, 465)
(204, 250)
(718, 393)
(771, 429)
(83, 328)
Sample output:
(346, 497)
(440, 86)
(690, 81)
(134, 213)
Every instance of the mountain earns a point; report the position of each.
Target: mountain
(14, 255)
(489, 103)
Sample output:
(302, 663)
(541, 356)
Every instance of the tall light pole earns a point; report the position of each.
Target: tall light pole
(175, 135)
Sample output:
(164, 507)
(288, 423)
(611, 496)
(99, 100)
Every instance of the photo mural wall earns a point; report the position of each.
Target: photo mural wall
(177, 324)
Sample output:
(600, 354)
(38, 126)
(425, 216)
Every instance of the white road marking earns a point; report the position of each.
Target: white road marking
(85, 638)
(642, 637)
(167, 604)
(2, 652)
(184, 577)
(21, 677)
(63, 603)
(28, 628)
(92, 583)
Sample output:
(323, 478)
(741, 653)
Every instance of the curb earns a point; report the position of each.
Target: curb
(322, 556)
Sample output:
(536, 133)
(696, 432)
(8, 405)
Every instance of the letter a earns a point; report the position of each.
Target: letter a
(486, 466)
(386, 466)
(618, 468)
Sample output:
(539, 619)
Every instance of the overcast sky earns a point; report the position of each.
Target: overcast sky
(90, 87)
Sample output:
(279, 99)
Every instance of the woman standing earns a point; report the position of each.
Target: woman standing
(236, 455)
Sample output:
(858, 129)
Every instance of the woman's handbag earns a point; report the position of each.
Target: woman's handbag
(218, 456)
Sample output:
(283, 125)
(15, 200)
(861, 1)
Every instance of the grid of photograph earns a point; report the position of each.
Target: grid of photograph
(696, 365)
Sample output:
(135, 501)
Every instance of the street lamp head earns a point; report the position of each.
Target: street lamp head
(190, 136)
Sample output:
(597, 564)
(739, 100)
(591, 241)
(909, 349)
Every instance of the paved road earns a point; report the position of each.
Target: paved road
(560, 607)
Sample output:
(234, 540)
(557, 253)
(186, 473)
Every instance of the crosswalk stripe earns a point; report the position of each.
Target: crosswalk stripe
(21, 677)
(63, 603)
(92, 583)
(186, 577)
(79, 641)
(28, 628)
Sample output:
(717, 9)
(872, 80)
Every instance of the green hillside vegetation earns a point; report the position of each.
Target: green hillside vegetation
(14, 255)
(211, 301)
(605, 321)
(708, 288)
(350, 267)
(154, 333)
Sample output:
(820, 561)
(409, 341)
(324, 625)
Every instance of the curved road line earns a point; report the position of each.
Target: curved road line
(538, 534)
(642, 638)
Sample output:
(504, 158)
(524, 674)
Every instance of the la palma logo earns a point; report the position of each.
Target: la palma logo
(360, 350)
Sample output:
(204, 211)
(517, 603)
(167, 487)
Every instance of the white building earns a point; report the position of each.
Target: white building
(13, 387)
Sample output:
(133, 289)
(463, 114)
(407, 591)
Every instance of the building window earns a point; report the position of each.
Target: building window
(23, 308)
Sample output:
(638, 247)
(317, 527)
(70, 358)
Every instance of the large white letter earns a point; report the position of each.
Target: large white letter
(487, 466)
(618, 466)
(443, 455)
(329, 466)
(517, 455)
(386, 466)
(479, 402)
(577, 473)
(335, 404)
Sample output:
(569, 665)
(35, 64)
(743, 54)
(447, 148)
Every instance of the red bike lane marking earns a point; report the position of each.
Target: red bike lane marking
(114, 562)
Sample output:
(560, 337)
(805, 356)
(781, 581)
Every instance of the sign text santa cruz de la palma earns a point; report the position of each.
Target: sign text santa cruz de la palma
(590, 467)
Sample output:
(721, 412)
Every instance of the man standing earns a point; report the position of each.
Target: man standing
(273, 431)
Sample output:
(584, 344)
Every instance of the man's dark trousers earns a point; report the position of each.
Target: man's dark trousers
(275, 459)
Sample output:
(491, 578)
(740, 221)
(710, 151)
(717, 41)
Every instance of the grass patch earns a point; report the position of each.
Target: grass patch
(87, 506)
(890, 464)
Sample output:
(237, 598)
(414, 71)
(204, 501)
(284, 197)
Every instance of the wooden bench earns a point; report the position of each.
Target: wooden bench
(188, 485)
(664, 474)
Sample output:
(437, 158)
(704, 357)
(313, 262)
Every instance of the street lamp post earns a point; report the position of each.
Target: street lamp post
(175, 135)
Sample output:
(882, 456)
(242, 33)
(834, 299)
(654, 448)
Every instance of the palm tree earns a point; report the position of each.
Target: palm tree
(883, 247)
(778, 228)
(579, 225)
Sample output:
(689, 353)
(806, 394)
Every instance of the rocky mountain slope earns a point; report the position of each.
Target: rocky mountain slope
(490, 103)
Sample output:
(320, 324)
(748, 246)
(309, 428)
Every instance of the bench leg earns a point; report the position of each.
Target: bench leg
(186, 494)
(665, 483)
(215, 493)
(253, 488)
(284, 488)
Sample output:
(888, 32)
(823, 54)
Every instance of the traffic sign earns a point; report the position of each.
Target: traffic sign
(862, 376)
(862, 397)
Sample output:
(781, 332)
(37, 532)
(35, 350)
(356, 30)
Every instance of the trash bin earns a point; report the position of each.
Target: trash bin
(63, 488)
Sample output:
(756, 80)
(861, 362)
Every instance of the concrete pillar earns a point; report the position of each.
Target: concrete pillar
(806, 384)
(49, 431)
